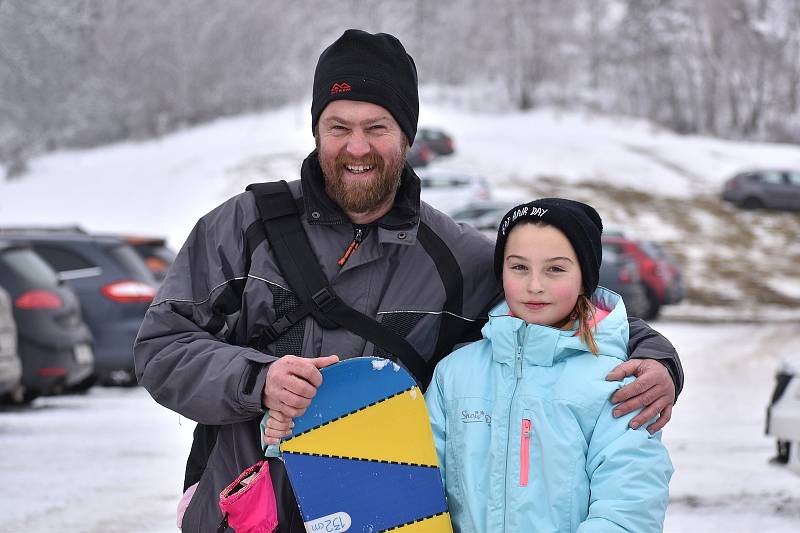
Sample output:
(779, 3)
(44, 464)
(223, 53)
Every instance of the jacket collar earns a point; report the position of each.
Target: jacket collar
(320, 209)
(545, 345)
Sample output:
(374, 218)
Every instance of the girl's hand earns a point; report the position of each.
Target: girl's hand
(278, 426)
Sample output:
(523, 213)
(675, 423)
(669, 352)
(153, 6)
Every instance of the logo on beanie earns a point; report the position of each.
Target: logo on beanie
(340, 88)
(521, 212)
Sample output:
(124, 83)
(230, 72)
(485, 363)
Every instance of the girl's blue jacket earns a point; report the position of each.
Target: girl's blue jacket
(526, 439)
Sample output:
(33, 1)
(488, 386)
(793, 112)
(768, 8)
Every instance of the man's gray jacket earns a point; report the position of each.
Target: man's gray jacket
(224, 287)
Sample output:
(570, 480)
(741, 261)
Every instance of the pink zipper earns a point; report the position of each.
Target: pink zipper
(524, 452)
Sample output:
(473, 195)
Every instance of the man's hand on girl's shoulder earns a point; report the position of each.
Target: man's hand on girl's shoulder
(652, 391)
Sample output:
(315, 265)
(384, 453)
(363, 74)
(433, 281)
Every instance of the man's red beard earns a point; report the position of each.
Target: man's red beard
(362, 196)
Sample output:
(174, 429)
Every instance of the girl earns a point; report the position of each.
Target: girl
(522, 419)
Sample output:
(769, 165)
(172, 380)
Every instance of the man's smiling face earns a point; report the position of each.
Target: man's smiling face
(362, 152)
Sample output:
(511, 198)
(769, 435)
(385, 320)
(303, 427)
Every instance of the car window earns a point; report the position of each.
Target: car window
(29, 266)
(445, 181)
(794, 178)
(775, 178)
(62, 260)
(163, 253)
(650, 249)
(469, 213)
(131, 262)
(610, 255)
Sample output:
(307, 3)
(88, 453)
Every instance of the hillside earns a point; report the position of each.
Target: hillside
(658, 185)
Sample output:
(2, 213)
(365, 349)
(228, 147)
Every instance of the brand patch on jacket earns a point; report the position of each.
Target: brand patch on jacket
(474, 417)
(340, 88)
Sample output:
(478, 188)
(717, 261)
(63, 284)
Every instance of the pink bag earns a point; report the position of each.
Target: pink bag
(248, 504)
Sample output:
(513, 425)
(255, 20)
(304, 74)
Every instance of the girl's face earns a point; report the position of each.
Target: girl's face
(541, 275)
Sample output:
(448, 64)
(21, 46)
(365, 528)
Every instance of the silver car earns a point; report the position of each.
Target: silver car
(10, 364)
(450, 191)
(773, 189)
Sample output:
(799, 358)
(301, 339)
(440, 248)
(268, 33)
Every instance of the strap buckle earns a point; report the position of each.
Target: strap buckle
(272, 332)
(325, 299)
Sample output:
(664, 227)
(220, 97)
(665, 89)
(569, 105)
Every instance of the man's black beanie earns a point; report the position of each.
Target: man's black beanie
(371, 68)
(579, 222)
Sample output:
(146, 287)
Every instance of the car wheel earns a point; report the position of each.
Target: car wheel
(636, 302)
(653, 306)
(15, 397)
(84, 385)
(29, 395)
(782, 455)
(752, 202)
(119, 378)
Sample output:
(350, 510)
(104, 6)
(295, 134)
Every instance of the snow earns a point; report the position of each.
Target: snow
(380, 364)
(163, 185)
(786, 285)
(113, 460)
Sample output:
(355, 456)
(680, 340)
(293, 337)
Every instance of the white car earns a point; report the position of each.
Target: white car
(449, 191)
(783, 413)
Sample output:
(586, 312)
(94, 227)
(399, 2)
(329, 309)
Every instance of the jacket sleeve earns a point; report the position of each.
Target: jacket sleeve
(181, 354)
(629, 472)
(436, 412)
(647, 343)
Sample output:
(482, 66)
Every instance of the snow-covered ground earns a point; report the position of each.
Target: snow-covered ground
(162, 186)
(112, 461)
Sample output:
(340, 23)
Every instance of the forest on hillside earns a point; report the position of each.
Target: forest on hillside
(78, 73)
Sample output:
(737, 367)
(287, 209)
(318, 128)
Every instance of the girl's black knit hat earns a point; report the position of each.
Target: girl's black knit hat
(579, 222)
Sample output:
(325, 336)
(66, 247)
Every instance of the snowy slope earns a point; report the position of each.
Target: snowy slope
(162, 186)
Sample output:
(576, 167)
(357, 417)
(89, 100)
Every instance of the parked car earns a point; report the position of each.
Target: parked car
(114, 285)
(155, 253)
(439, 142)
(419, 155)
(54, 344)
(774, 189)
(10, 363)
(620, 274)
(657, 274)
(484, 215)
(676, 290)
(450, 191)
(783, 414)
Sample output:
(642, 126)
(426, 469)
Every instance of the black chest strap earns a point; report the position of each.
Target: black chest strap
(301, 270)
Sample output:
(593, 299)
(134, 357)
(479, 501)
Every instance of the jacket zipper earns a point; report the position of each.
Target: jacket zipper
(358, 236)
(524, 452)
(517, 376)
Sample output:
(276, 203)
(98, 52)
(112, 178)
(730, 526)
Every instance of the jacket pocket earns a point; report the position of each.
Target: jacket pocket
(525, 451)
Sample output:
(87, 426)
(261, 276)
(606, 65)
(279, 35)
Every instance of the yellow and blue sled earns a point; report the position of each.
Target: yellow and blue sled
(362, 457)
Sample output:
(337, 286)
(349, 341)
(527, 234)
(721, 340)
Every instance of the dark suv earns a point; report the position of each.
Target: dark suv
(157, 256)
(114, 285)
(54, 344)
(773, 189)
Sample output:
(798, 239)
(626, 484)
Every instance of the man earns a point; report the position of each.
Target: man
(384, 253)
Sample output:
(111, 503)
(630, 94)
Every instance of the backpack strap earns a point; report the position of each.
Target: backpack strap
(299, 266)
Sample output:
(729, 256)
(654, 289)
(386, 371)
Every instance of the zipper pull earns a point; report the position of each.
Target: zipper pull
(524, 452)
(358, 236)
(519, 362)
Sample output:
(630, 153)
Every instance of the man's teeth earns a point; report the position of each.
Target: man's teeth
(358, 168)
